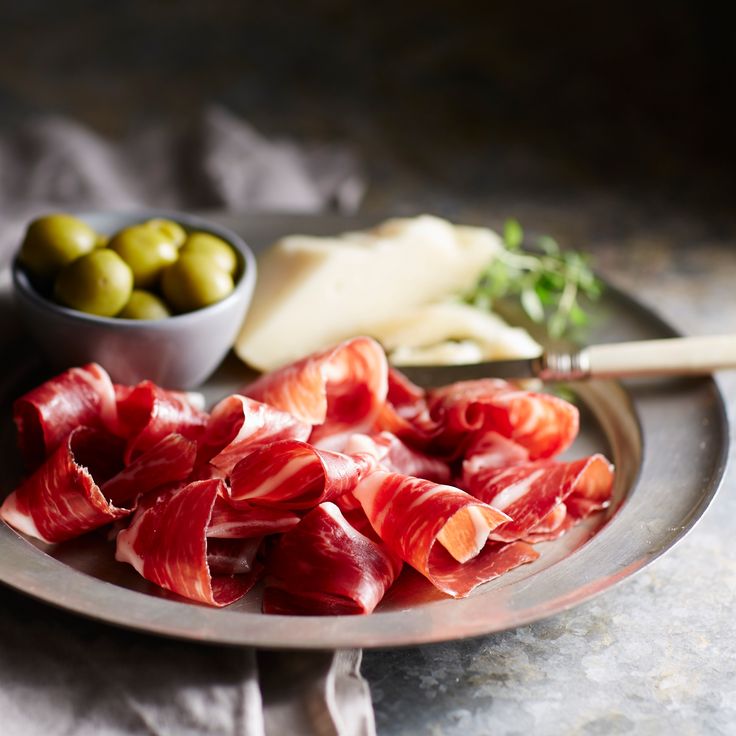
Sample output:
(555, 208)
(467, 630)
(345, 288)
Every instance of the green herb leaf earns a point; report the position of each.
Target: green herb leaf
(578, 316)
(556, 324)
(532, 305)
(548, 244)
(547, 281)
(513, 235)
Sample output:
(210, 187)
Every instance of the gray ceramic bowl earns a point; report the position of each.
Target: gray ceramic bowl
(176, 352)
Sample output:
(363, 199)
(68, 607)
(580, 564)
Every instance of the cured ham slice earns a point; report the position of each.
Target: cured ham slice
(552, 526)
(331, 473)
(295, 475)
(63, 499)
(534, 495)
(338, 390)
(394, 455)
(232, 556)
(438, 529)
(544, 425)
(148, 413)
(45, 416)
(172, 459)
(490, 450)
(406, 412)
(495, 559)
(404, 394)
(445, 421)
(325, 567)
(238, 424)
(166, 543)
(248, 521)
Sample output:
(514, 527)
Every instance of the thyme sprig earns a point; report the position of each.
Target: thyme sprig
(547, 280)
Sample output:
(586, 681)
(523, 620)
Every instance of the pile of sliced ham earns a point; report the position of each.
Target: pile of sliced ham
(324, 478)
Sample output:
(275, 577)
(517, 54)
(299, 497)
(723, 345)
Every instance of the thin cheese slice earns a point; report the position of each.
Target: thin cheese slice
(451, 332)
(313, 292)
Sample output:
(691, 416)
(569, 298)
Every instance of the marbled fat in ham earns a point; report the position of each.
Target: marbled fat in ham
(62, 499)
(238, 424)
(166, 543)
(438, 529)
(295, 475)
(247, 521)
(445, 421)
(543, 424)
(535, 494)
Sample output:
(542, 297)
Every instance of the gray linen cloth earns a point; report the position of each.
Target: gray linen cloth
(63, 675)
(217, 162)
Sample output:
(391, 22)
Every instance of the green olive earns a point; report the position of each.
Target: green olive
(98, 283)
(146, 251)
(171, 230)
(214, 248)
(144, 305)
(53, 241)
(102, 240)
(194, 281)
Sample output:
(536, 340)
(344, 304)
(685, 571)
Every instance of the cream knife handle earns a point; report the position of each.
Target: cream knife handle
(677, 356)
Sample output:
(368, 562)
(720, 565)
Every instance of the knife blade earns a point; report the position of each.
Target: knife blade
(677, 356)
(431, 376)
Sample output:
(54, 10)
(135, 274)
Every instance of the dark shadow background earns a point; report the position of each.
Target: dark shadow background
(554, 99)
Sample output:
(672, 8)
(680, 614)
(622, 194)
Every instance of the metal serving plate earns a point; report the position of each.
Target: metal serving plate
(667, 438)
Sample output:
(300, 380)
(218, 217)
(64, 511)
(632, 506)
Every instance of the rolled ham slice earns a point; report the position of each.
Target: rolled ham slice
(338, 390)
(63, 498)
(167, 544)
(326, 567)
(47, 414)
(438, 529)
(238, 424)
(147, 413)
(296, 475)
(544, 425)
(543, 498)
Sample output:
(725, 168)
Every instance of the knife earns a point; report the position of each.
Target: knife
(677, 356)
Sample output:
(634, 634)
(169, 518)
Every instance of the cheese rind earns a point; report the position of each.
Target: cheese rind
(314, 292)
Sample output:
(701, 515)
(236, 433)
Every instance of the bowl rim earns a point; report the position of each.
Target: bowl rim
(244, 285)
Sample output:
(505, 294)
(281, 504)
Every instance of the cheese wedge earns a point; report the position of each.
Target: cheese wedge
(313, 292)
